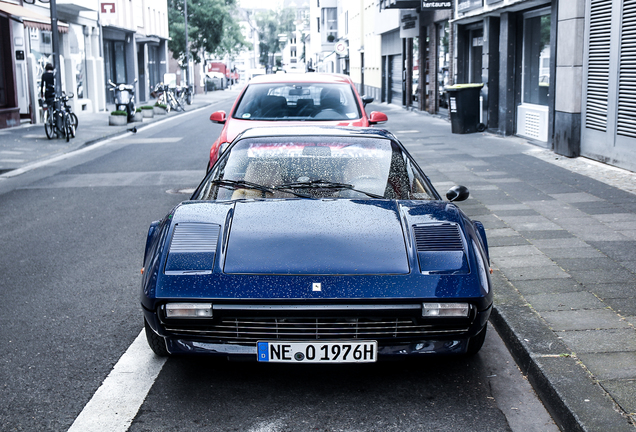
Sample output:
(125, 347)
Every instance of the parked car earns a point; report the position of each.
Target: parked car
(294, 99)
(316, 244)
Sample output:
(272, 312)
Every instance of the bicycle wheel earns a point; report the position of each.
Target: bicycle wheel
(49, 127)
(69, 128)
(74, 120)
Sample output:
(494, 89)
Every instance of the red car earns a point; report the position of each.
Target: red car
(294, 99)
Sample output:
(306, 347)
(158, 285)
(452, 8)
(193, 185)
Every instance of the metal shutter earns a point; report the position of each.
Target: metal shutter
(626, 118)
(396, 79)
(598, 64)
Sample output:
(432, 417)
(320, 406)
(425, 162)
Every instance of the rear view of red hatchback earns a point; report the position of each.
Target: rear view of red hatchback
(294, 99)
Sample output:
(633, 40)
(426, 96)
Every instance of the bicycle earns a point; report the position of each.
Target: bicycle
(62, 121)
(166, 96)
(185, 94)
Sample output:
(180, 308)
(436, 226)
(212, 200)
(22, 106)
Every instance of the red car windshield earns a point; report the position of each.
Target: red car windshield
(298, 101)
(320, 167)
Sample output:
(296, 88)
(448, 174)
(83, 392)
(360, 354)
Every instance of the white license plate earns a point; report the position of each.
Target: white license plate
(318, 352)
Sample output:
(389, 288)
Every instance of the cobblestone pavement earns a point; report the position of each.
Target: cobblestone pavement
(562, 239)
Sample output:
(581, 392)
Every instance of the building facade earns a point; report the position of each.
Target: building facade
(99, 40)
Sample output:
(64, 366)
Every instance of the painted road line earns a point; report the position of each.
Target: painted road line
(99, 144)
(116, 403)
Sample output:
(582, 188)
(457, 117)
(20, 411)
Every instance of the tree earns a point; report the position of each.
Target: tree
(233, 41)
(270, 24)
(208, 21)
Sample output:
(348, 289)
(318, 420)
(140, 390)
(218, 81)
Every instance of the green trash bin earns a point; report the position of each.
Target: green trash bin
(464, 106)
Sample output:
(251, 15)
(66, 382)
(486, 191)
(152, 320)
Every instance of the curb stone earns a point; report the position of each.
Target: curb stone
(575, 401)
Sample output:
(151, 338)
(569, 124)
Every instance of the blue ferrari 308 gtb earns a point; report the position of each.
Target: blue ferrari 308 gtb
(316, 245)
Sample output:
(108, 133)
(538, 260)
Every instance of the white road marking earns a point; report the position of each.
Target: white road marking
(116, 403)
(119, 179)
(39, 164)
(131, 140)
(407, 132)
(11, 160)
(10, 152)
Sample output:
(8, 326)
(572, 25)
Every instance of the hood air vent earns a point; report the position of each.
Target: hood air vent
(194, 237)
(440, 249)
(192, 249)
(439, 237)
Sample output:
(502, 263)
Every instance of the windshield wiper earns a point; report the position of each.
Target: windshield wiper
(242, 184)
(324, 184)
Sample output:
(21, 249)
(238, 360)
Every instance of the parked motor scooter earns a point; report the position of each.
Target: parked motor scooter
(124, 97)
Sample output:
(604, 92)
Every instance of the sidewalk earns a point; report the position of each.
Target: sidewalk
(562, 238)
(26, 144)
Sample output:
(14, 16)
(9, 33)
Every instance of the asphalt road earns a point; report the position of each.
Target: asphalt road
(72, 244)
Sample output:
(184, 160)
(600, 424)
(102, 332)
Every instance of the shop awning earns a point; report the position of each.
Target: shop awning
(30, 18)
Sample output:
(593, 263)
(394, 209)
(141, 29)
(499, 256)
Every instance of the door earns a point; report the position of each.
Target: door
(609, 100)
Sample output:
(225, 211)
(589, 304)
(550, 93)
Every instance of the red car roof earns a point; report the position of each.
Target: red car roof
(311, 77)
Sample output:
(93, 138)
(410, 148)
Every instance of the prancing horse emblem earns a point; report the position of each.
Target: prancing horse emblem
(317, 286)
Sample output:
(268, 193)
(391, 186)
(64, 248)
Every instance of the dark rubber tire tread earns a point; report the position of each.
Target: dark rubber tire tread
(476, 342)
(157, 343)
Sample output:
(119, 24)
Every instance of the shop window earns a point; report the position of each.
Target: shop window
(3, 62)
(443, 62)
(536, 58)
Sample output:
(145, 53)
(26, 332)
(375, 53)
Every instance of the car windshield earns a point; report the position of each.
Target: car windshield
(298, 101)
(315, 167)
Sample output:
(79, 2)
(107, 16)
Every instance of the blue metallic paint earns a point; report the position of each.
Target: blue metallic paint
(343, 285)
(345, 278)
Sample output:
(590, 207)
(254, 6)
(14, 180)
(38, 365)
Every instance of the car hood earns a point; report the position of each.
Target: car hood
(236, 126)
(279, 249)
(300, 237)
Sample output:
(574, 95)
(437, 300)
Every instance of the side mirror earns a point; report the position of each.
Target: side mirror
(135, 81)
(366, 100)
(218, 117)
(377, 117)
(457, 193)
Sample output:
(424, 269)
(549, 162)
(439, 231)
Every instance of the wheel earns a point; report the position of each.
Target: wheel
(74, 120)
(189, 99)
(130, 112)
(476, 342)
(49, 127)
(68, 128)
(157, 343)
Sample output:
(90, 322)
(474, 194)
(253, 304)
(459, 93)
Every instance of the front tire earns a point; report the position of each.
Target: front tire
(476, 342)
(49, 127)
(69, 130)
(157, 343)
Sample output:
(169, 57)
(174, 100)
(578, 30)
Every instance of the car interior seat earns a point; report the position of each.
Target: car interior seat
(273, 107)
(264, 173)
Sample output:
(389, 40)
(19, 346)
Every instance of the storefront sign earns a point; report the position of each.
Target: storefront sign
(108, 7)
(409, 23)
(467, 5)
(341, 49)
(427, 4)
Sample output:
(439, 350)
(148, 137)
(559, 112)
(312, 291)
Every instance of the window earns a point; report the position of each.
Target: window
(536, 57)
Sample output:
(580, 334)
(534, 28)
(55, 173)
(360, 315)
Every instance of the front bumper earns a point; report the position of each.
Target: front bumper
(443, 342)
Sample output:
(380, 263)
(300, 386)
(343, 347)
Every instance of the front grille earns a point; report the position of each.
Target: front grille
(381, 329)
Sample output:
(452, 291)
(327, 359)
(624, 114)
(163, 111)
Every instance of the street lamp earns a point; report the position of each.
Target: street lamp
(185, 13)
